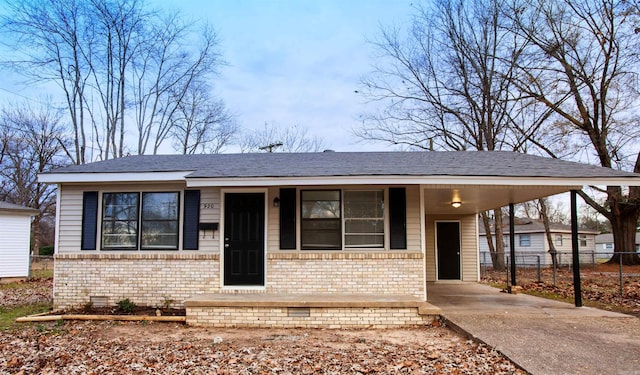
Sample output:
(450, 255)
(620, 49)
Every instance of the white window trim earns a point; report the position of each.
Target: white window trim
(385, 196)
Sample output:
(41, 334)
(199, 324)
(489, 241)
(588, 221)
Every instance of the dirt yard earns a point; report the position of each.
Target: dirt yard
(600, 285)
(161, 348)
(170, 348)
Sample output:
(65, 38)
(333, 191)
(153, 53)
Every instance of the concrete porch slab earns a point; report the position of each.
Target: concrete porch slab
(334, 300)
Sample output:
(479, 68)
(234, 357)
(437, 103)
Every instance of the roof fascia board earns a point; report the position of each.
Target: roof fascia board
(24, 212)
(570, 183)
(55, 178)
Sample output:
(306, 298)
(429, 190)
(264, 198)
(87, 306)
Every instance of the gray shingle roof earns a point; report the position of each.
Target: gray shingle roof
(434, 163)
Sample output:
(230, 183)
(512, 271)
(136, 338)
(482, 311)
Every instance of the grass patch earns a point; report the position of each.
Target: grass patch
(547, 294)
(8, 315)
(41, 274)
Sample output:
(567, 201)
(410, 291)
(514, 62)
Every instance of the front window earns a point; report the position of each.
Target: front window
(525, 240)
(321, 220)
(364, 218)
(128, 224)
(120, 221)
(159, 228)
(331, 218)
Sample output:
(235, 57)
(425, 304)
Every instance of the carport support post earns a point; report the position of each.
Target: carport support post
(577, 288)
(512, 243)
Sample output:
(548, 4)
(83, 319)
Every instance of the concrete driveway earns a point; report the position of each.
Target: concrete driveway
(541, 335)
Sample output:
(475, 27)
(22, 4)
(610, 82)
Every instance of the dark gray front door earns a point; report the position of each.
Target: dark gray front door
(448, 244)
(244, 239)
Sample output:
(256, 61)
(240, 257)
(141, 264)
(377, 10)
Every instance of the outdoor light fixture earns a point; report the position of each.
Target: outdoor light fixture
(456, 204)
(276, 202)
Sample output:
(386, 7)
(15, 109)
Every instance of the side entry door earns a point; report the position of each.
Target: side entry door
(448, 247)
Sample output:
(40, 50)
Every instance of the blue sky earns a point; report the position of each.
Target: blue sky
(289, 62)
(297, 62)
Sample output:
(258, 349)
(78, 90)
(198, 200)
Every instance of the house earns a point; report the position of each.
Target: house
(276, 239)
(15, 232)
(605, 246)
(532, 244)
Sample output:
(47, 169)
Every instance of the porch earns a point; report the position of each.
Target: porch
(315, 310)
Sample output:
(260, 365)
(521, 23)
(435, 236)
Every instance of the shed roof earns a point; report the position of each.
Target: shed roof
(10, 207)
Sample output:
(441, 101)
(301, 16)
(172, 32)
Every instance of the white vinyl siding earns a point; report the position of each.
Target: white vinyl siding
(70, 211)
(210, 213)
(413, 219)
(540, 248)
(15, 230)
(273, 220)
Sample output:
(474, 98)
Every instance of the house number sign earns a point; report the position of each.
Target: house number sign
(207, 205)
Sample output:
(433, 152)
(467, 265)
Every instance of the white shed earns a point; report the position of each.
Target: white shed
(15, 237)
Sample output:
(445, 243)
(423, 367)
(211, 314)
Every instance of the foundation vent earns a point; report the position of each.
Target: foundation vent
(299, 312)
(99, 301)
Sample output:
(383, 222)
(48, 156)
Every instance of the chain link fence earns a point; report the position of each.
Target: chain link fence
(40, 266)
(596, 270)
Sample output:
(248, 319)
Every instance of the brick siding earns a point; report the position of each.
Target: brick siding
(150, 279)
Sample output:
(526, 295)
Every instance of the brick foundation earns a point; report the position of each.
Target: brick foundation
(279, 317)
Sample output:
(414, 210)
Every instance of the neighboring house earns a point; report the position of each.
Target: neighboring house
(15, 240)
(605, 246)
(531, 243)
(273, 239)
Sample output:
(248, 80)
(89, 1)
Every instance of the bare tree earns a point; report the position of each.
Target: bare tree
(167, 78)
(51, 46)
(32, 143)
(283, 139)
(580, 62)
(448, 82)
(116, 61)
(201, 125)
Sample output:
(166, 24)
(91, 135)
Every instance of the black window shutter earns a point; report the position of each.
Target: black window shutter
(288, 219)
(191, 219)
(398, 218)
(89, 220)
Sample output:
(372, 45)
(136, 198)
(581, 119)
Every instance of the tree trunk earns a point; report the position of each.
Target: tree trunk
(623, 227)
(499, 265)
(545, 220)
(496, 250)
